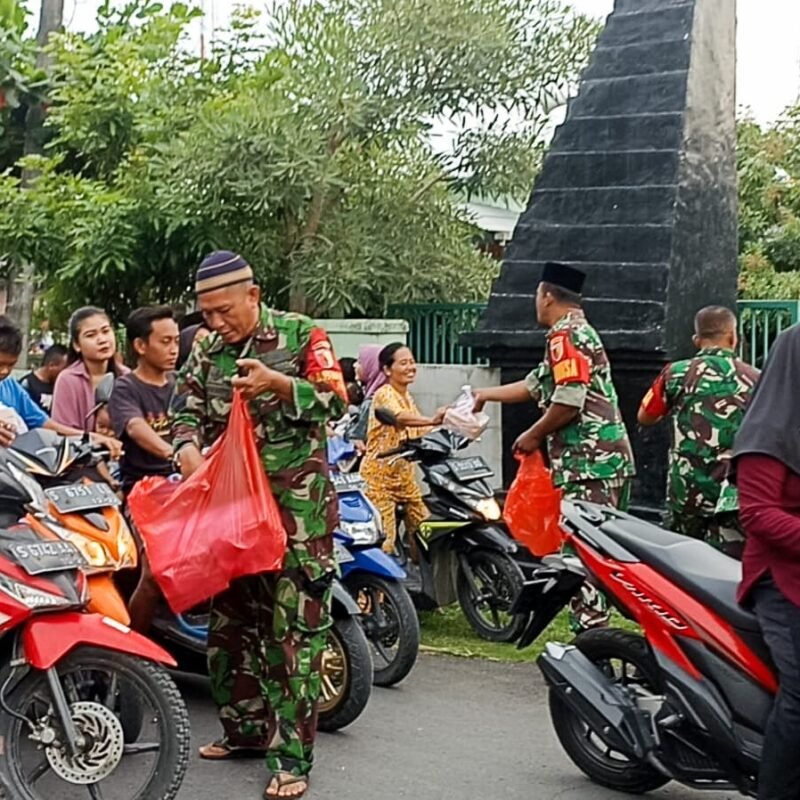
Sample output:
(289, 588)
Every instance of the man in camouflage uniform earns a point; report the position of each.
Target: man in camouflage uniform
(590, 453)
(267, 632)
(706, 397)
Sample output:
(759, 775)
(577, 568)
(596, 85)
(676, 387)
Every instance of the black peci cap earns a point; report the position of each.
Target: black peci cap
(564, 276)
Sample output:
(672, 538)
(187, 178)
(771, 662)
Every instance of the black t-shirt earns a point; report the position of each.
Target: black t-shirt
(133, 398)
(40, 391)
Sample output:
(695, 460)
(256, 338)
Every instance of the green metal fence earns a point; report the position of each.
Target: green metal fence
(760, 322)
(435, 328)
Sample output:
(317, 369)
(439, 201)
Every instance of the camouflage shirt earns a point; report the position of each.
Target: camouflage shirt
(576, 372)
(291, 435)
(706, 396)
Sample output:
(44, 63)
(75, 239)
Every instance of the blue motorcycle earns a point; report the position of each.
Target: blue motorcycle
(374, 580)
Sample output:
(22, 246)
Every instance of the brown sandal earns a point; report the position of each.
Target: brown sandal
(221, 750)
(282, 780)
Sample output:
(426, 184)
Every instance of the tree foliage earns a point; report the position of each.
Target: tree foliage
(769, 207)
(305, 140)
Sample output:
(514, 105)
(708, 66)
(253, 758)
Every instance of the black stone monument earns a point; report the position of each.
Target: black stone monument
(638, 189)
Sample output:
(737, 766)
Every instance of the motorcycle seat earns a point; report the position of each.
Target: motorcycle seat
(702, 571)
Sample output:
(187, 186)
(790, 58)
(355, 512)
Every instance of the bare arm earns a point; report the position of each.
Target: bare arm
(408, 420)
(518, 392)
(147, 438)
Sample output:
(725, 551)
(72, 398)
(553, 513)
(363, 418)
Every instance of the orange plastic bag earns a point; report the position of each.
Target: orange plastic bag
(533, 507)
(220, 524)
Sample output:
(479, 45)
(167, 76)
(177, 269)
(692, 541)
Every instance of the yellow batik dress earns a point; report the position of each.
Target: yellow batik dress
(393, 484)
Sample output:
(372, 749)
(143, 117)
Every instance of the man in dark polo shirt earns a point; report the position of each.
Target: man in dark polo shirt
(139, 404)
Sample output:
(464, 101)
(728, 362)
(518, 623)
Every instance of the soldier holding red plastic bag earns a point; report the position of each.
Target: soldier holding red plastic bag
(267, 632)
(587, 442)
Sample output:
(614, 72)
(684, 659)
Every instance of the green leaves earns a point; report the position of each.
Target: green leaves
(768, 162)
(304, 141)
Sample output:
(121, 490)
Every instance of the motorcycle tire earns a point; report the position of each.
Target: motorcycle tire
(346, 675)
(401, 626)
(603, 647)
(503, 579)
(152, 683)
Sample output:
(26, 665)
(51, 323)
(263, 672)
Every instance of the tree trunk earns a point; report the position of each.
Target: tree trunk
(21, 280)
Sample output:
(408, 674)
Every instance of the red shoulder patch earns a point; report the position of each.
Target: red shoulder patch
(321, 365)
(655, 402)
(566, 361)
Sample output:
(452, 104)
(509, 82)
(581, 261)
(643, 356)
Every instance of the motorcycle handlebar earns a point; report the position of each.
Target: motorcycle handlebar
(395, 451)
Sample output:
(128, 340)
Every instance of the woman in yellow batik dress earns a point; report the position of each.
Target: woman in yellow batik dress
(390, 483)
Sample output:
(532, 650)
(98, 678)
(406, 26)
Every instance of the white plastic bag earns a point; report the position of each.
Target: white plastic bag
(461, 419)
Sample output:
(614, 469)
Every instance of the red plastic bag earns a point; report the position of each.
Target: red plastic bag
(220, 524)
(533, 507)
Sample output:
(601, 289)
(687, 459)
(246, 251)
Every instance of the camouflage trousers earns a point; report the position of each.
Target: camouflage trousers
(589, 609)
(267, 635)
(722, 531)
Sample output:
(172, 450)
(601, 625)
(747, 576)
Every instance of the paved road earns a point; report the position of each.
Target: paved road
(455, 729)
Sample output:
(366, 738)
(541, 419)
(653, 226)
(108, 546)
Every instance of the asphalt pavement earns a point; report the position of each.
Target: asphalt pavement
(456, 728)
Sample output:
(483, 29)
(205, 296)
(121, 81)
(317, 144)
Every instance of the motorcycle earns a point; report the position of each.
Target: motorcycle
(73, 508)
(347, 671)
(465, 551)
(64, 675)
(373, 578)
(688, 698)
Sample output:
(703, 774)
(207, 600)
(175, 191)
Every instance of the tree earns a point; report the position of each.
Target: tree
(304, 141)
(769, 207)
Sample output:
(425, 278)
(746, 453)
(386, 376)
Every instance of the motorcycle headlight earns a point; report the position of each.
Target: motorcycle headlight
(489, 509)
(30, 596)
(126, 548)
(362, 532)
(98, 559)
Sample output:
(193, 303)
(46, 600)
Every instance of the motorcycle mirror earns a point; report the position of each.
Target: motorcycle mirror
(386, 417)
(102, 393)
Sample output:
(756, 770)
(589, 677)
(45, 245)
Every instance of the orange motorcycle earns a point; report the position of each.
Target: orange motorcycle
(71, 502)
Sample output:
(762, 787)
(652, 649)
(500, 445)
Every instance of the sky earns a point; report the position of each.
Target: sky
(768, 41)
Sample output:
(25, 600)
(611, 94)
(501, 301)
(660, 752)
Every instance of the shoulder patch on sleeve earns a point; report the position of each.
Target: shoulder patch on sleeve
(321, 365)
(566, 361)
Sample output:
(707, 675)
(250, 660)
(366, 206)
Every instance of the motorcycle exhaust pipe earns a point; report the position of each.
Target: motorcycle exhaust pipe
(603, 705)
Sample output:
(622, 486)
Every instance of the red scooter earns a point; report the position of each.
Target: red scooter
(85, 710)
(688, 698)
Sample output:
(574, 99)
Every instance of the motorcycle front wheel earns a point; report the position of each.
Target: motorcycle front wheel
(36, 764)
(487, 604)
(391, 624)
(346, 675)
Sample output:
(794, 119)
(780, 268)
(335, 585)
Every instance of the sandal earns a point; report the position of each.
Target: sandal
(221, 750)
(283, 780)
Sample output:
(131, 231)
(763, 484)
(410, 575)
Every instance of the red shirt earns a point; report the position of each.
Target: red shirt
(769, 508)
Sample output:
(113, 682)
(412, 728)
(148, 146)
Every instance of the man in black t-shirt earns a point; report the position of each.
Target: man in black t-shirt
(39, 383)
(139, 404)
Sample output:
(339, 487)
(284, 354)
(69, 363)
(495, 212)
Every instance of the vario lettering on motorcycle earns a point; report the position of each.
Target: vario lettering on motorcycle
(648, 601)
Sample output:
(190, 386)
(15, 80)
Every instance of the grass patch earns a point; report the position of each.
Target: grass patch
(447, 631)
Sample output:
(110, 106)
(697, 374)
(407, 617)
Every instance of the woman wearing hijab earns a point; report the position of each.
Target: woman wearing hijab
(767, 472)
(371, 376)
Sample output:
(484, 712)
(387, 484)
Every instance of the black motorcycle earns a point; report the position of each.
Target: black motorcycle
(465, 552)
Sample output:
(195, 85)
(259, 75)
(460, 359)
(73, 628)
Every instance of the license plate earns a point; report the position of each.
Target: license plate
(81, 497)
(343, 555)
(347, 481)
(469, 469)
(38, 557)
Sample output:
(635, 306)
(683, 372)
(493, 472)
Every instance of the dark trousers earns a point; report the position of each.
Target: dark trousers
(779, 776)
